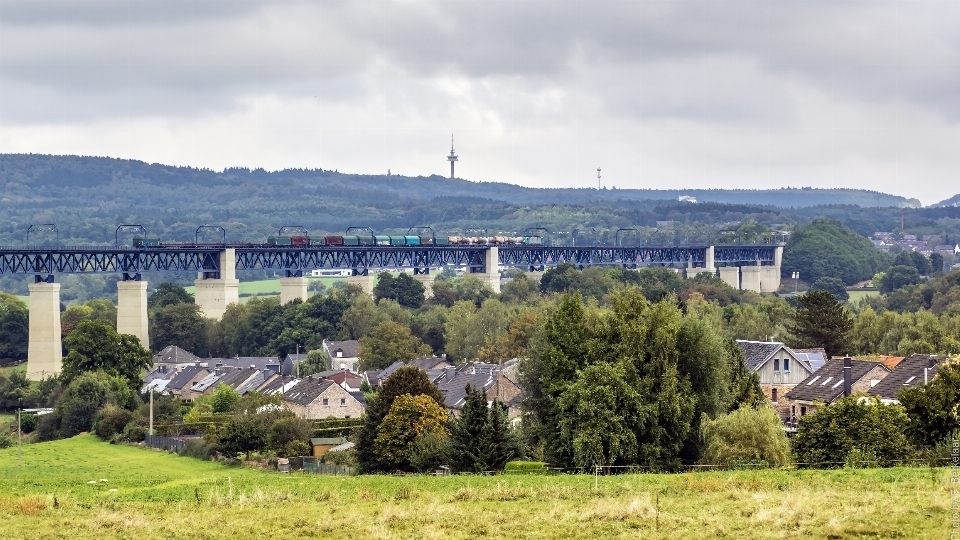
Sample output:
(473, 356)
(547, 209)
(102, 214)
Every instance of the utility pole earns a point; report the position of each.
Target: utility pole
(151, 410)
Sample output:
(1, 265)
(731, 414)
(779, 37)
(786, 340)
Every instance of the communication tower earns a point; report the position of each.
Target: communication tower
(452, 157)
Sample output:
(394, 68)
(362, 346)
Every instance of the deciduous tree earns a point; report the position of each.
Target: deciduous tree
(387, 343)
(409, 418)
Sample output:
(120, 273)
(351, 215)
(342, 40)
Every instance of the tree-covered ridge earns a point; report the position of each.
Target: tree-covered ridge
(87, 197)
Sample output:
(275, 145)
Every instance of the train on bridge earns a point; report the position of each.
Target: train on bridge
(147, 242)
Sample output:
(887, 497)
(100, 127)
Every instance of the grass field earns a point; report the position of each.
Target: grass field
(855, 296)
(82, 488)
(7, 370)
(268, 287)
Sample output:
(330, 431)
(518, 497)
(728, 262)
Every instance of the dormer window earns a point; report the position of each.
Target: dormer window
(339, 353)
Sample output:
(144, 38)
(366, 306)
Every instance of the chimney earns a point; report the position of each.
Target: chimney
(847, 369)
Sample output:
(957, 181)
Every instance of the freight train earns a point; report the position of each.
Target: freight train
(359, 240)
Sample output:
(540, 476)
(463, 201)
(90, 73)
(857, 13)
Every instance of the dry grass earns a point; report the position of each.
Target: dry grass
(164, 496)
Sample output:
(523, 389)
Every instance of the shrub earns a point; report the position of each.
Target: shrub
(430, 451)
(746, 435)
(346, 458)
(111, 421)
(526, 467)
(295, 448)
(198, 449)
(134, 433)
(48, 427)
(852, 429)
(28, 422)
(286, 431)
(5, 440)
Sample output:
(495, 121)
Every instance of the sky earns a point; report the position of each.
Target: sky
(655, 93)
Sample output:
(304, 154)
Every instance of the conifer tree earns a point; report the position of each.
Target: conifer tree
(498, 442)
(466, 440)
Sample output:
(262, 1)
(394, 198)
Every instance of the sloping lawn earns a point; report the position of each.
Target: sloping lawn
(82, 488)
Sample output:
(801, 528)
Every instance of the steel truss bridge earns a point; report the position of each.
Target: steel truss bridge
(45, 262)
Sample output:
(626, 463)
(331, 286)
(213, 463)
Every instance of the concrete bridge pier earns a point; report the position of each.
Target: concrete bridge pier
(750, 278)
(730, 275)
(132, 310)
(427, 281)
(769, 279)
(44, 348)
(365, 282)
(292, 288)
(214, 295)
(491, 271)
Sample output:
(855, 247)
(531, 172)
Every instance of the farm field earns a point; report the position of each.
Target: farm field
(83, 488)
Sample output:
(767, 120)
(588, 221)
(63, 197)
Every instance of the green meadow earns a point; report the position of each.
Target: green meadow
(82, 488)
(269, 287)
(855, 296)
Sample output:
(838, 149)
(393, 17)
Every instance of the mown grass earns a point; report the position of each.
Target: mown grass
(82, 488)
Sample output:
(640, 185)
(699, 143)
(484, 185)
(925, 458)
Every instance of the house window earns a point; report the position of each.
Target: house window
(326, 401)
(774, 393)
(776, 365)
(803, 411)
(343, 402)
(793, 410)
(339, 353)
(786, 365)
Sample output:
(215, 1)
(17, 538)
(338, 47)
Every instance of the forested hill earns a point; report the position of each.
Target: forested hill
(952, 201)
(87, 197)
(93, 172)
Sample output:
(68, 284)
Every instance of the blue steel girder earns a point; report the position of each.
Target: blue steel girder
(745, 255)
(91, 260)
(536, 257)
(360, 259)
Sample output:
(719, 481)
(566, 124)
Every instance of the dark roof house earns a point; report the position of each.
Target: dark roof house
(342, 349)
(827, 384)
(911, 371)
(756, 353)
(172, 355)
(184, 378)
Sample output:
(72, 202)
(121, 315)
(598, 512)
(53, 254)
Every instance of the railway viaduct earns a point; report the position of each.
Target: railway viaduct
(747, 267)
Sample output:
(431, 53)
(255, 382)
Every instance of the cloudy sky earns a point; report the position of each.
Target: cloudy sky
(696, 94)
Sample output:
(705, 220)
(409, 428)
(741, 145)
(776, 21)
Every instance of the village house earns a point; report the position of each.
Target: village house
(183, 380)
(496, 381)
(343, 354)
(911, 371)
(277, 384)
(173, 358)
(348, 380)
(315, 398)
(778, 368)
(837, 378)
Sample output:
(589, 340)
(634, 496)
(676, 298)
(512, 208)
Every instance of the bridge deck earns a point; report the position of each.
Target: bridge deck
(205, 258)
